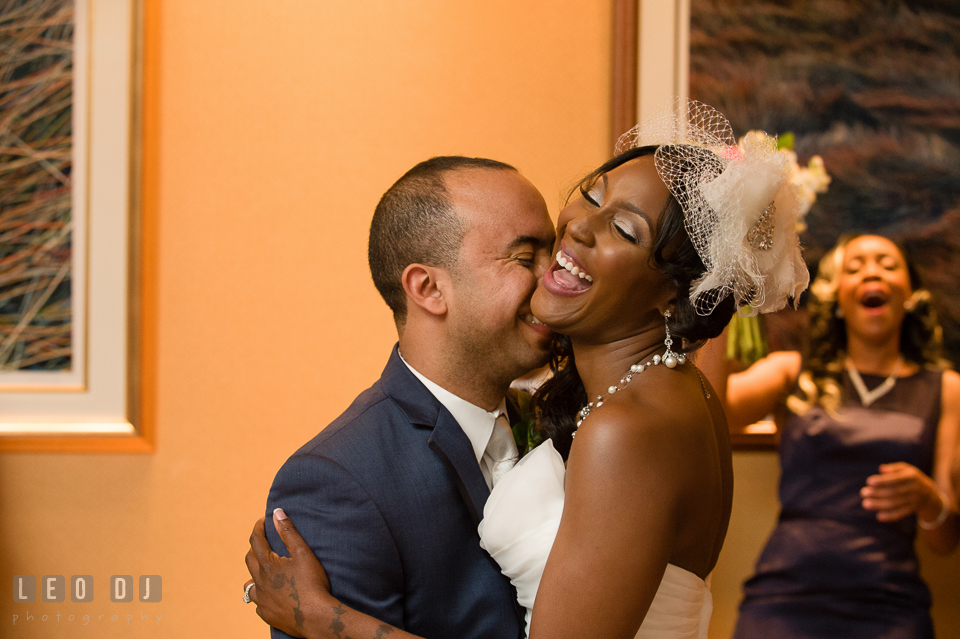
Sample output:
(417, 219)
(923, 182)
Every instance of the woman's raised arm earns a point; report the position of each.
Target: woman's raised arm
(756, 392)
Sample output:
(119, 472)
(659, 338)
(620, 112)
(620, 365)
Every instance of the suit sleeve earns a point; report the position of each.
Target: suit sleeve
(347, 532)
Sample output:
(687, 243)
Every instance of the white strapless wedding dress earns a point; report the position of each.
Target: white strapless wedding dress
(519, 526)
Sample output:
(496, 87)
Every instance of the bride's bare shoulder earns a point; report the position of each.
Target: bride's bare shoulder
(647, 432)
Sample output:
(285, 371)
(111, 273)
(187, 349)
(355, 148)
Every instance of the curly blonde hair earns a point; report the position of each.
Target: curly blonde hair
(820, 382)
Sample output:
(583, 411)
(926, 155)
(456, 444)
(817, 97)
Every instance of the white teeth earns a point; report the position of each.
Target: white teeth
(533, 320)
(570, 266)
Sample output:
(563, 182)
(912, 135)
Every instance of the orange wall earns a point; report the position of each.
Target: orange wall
(272, 127)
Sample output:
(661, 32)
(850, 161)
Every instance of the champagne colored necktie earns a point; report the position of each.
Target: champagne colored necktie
(501, 453)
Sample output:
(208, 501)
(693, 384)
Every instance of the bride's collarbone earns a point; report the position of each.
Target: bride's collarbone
(677, 395)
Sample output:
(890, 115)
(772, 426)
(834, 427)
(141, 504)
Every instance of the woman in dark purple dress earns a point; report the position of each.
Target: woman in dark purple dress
(867, 440)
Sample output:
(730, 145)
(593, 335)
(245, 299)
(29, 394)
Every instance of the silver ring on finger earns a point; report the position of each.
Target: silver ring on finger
(246, 591)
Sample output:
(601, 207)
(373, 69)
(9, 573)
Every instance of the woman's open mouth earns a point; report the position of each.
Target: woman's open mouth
(567, 276)
(874, 300)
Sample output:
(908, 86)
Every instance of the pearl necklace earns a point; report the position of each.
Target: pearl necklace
(669, 359)
(869, 397)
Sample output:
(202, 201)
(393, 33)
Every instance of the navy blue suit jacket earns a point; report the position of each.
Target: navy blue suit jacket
(389, 497)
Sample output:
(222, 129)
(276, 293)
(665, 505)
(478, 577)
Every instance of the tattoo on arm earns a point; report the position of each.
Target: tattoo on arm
(336, 625)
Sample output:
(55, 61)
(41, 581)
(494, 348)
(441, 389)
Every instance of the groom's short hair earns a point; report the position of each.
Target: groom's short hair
(415, 223)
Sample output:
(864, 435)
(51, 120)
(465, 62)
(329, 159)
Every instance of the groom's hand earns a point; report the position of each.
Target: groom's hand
(290, 592)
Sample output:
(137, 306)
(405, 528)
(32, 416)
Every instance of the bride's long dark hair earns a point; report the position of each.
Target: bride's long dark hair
(557, 402)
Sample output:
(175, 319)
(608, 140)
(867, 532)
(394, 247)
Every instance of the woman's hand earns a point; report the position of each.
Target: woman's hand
(293, 593)
(290, 592)
(901, 490)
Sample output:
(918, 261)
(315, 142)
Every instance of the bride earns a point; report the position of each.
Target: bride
(614, 523)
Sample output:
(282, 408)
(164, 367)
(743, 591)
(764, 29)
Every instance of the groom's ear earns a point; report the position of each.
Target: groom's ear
(426, 286)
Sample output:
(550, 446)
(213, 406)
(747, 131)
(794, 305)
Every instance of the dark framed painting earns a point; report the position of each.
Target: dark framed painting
(871, 86)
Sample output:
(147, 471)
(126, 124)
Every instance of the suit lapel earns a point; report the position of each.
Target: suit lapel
(447, 439)
(453, 447)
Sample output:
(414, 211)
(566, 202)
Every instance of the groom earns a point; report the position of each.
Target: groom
(389, 495)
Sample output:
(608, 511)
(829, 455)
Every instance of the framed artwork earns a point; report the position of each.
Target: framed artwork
(69, 226)
(872, 87)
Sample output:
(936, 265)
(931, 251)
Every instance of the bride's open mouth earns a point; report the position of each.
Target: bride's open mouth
(567, 276)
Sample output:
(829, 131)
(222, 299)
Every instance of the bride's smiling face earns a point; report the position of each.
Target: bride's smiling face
(603, 285)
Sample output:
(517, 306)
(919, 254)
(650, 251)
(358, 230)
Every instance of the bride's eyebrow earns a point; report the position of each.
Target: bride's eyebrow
(629, 206)
(636, 210)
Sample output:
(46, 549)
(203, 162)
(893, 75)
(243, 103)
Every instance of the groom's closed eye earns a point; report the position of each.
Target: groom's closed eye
(527, 259)
(526, 251)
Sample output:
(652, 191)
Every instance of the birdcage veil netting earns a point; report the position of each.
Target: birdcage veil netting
(740, 209)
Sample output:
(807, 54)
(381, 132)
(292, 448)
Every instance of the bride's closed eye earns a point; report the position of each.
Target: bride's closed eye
(592, 193)
(625, 232)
